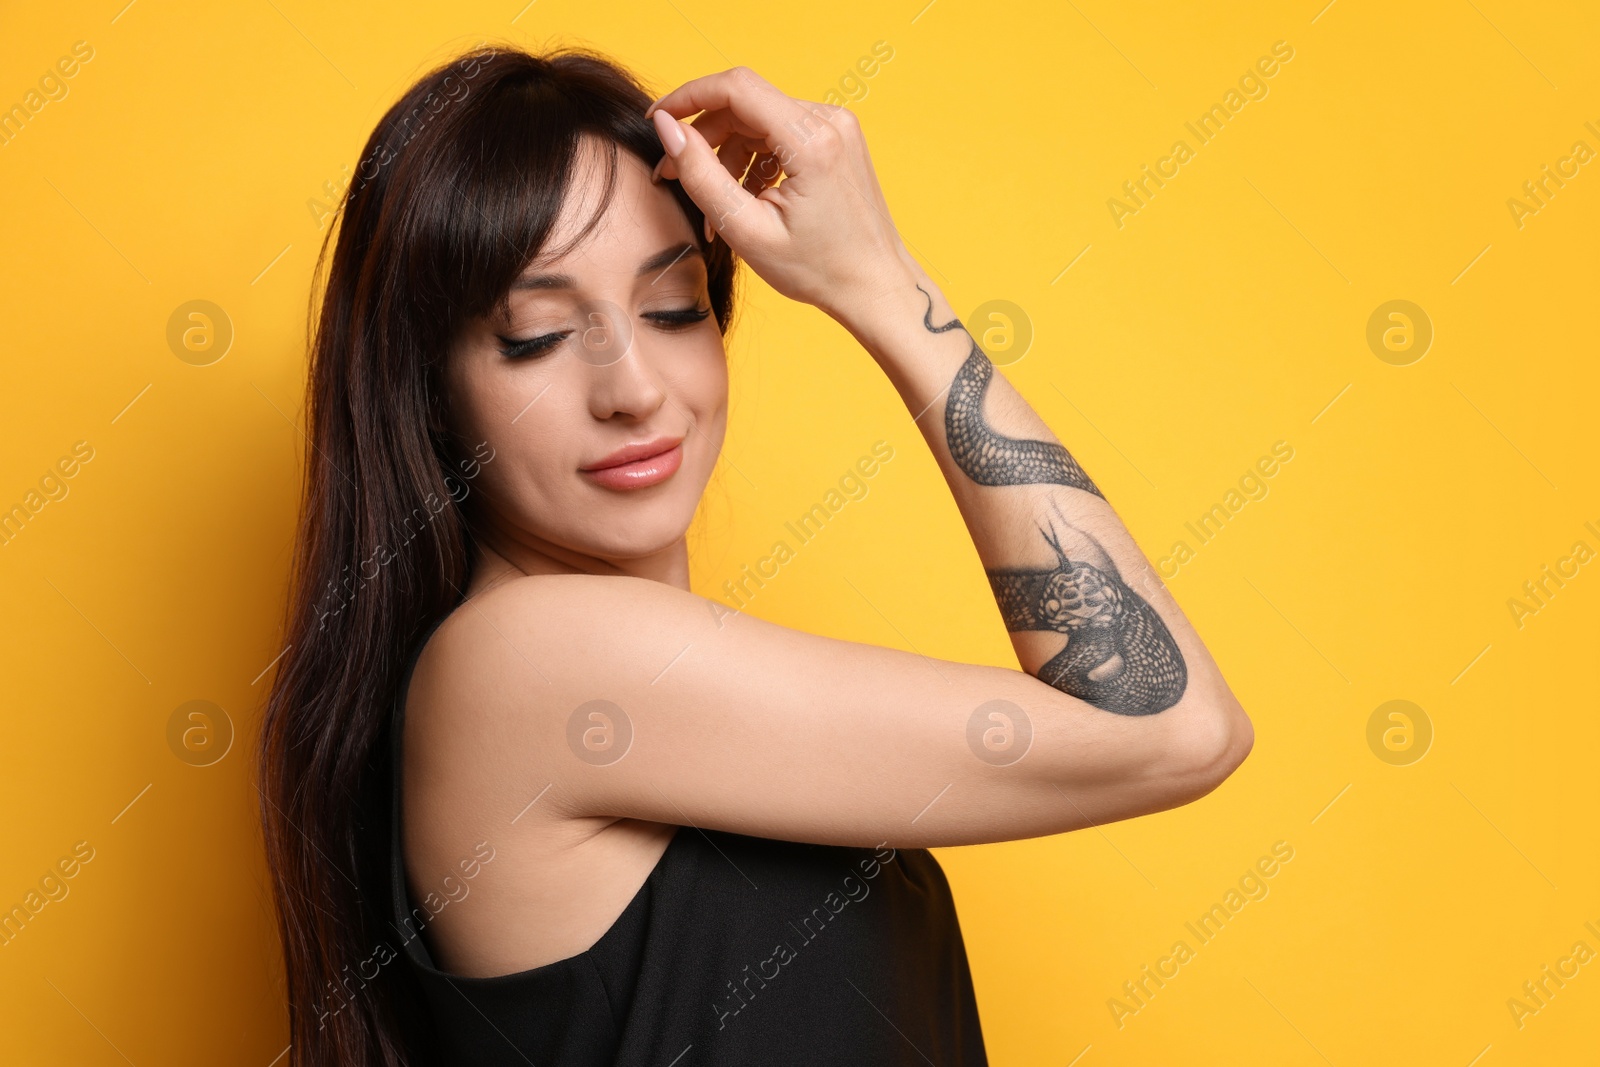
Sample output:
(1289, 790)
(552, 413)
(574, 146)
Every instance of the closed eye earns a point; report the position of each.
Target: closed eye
(684, 317)
(532, 346)
(676, 319)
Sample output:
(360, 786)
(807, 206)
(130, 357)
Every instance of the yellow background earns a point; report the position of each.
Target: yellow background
(1229, 313)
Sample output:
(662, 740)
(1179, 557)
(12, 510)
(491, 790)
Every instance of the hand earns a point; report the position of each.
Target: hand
(823, 236)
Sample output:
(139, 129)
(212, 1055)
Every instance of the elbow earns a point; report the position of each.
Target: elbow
(1217, 746)
(1241, 739)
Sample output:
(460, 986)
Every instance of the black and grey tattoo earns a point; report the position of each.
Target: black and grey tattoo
(1120, 656)
(987, 457)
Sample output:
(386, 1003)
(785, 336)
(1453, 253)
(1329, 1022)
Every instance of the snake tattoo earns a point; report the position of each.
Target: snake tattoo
(987, 457)
(1119, 656)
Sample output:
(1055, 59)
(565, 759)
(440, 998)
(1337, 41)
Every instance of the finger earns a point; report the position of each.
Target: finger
(662, 168)
(763, 174)
(736, 152)
(708, 183)
(720, 123)
(782, 123)
(717, 126)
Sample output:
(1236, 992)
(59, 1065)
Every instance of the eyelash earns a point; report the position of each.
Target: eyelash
(536, 346)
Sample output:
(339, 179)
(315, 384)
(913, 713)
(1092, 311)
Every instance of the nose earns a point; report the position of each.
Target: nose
(629, 386)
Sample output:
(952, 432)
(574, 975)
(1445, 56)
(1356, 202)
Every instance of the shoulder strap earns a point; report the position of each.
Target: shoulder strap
(407, 924)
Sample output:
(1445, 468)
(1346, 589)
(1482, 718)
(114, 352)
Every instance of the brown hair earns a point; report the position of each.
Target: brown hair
(458, 189)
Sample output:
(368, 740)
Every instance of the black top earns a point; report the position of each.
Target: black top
(736, 950)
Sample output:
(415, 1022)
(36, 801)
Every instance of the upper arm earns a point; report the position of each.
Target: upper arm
(623, 697)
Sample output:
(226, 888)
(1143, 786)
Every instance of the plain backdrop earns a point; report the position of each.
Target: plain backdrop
(1175, 342)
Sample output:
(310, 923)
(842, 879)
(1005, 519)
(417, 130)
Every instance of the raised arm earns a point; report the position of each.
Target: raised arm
(1086, 612)
(616, 697)
(794, 191)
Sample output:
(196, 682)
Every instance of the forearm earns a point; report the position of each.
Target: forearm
(1085, 610)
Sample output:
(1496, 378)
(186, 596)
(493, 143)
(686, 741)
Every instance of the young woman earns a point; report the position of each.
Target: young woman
(529, 799)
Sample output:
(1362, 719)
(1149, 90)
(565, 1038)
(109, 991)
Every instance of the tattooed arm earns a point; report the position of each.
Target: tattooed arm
(1086, 612)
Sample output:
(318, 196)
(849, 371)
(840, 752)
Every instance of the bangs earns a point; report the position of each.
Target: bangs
(505, 177)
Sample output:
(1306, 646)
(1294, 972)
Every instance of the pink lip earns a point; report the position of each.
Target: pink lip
(637, 466)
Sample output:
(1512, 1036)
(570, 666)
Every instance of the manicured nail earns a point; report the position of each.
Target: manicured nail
(711, 235)
(672, 136)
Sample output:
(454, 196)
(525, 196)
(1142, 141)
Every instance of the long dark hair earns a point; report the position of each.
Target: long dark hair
(457, 190)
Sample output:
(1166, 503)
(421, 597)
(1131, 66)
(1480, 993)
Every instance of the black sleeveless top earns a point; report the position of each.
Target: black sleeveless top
(736, 950)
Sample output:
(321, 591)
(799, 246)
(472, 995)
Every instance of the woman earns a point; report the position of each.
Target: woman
(527, 798)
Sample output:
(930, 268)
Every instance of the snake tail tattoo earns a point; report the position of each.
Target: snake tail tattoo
(987, 457)
(1119, 657)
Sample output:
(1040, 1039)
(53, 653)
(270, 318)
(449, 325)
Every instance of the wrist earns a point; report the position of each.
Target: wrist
(892, 324)
(891, 305)
(865, 303)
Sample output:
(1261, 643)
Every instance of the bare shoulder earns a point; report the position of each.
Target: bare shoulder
(495, 683)
(538, 639)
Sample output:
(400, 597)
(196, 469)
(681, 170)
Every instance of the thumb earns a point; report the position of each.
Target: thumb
(704, 178)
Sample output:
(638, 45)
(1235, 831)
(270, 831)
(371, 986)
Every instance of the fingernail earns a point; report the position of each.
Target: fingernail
(655, 173)
(672, 136)
(711, 235)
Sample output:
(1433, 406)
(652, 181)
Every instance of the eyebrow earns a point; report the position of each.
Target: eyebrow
(658, 262)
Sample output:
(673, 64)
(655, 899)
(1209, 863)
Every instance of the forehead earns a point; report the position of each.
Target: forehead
(641, 230)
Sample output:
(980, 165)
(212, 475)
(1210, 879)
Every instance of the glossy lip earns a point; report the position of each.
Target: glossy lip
(632, 453)
(638, 466)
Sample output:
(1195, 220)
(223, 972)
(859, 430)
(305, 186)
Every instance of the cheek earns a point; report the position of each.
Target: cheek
(504, 406)
(495, 398)
(700, 388)
(705, 381)
(533, 479)
(527, 419)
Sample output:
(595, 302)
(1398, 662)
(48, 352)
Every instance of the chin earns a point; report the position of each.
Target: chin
(636, 544)
(634, 526)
